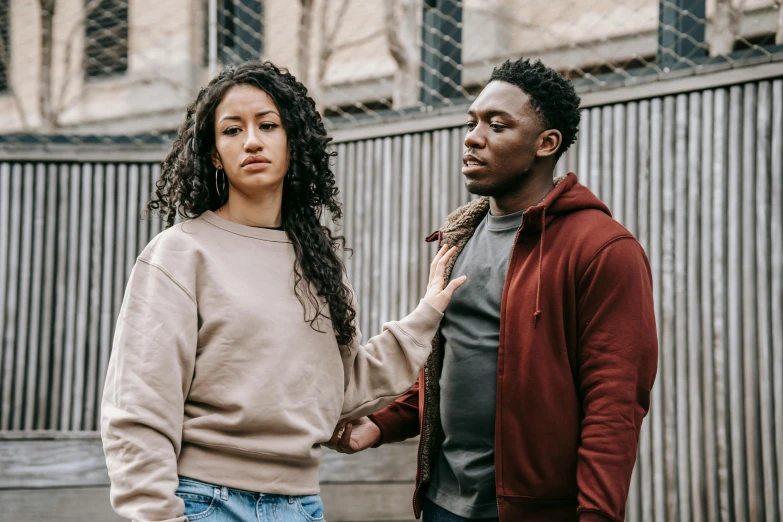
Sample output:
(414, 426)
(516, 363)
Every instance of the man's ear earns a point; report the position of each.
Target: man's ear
(549, 143)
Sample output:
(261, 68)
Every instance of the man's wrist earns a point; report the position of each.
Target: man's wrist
(593, 516)
(379, 440)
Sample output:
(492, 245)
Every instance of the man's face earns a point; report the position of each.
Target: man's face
(501, 142)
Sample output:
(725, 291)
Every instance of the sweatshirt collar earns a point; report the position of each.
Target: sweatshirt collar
(264, 234)
(506, 222)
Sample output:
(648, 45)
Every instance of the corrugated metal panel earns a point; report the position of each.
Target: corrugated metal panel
(68, 236)
(697, 177)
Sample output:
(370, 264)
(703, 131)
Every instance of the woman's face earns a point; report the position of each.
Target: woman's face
(251, 145)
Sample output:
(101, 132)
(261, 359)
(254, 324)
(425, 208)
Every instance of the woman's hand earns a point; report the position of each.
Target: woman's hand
(436, 295)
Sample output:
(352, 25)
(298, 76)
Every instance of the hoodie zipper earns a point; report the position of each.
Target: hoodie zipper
(423, 389)
(510, 257)
(416, 506)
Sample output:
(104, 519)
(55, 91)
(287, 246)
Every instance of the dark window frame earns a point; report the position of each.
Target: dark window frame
(240, 28)
(5, 35)
(106, 33)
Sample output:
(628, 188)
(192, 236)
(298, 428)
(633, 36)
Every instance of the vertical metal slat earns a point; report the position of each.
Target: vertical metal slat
(11, 296)
(377, 239)
(721, 189)
(75, 232)
(736, 385)
(749, 313)
(416, 246)
(83, 299)
(108, 319)
(667, 371)
(43, 415)
(90, 421)
(643, 234)
(61, 310)
(583, 150)
(762, 244)
(680, 257)
(706, 186)
(693, 317)
(35, 348)
(776, 286)
(23, 302)
(617, 195)
(395, 229)
(383, 233)
(657, 408)
(406, 213)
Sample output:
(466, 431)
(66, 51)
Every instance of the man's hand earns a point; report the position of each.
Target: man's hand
(354, 436)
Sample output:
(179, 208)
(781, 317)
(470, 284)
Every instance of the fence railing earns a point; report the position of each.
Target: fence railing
(697, 177)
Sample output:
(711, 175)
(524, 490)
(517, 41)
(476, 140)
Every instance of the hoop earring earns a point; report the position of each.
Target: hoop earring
(217, 187)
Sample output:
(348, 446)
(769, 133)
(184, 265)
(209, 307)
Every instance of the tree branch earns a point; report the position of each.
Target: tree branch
(338, 22)
(392, 27)
(45, 86)
(328, 37)
(76, 28)
(359, 41)
(305, 26)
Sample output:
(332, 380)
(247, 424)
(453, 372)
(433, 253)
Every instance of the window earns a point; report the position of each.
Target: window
(106, 38)
(5, 44)
(441, 51)
(240, 25)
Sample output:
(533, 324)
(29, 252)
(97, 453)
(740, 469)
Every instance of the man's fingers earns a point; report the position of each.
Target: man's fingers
(338, 431)
(345, 440)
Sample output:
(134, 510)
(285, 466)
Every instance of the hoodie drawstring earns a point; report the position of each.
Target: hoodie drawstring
(540, 264)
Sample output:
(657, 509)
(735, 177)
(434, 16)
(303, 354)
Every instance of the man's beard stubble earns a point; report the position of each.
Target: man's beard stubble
(486, 188)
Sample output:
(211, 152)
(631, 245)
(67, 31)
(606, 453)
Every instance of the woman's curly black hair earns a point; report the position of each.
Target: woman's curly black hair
(308, 188)
(551, 95)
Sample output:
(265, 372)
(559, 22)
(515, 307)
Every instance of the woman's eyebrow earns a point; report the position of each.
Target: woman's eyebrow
(258, 115)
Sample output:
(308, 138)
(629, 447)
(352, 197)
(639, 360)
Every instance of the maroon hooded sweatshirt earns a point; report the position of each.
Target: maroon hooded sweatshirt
(577, 359)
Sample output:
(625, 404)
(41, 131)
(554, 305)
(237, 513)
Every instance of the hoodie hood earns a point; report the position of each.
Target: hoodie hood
(567, 197)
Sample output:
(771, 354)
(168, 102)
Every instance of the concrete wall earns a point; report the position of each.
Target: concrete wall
(165, 62)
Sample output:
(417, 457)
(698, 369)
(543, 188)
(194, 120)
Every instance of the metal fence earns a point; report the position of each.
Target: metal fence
(697, 177)
(132, 66)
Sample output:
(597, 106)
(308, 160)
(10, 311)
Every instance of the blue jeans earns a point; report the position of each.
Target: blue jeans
(434, 513)
(213, 503)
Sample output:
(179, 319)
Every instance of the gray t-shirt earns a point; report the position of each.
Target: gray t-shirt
(463, 481)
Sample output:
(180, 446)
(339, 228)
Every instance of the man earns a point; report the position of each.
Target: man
(531, 404)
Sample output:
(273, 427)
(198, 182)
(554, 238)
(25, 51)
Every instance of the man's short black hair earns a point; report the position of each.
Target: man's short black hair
(551, 95)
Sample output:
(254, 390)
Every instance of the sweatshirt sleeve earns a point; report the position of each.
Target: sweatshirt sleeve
(387, 366)
(149, 375)
(617, 358)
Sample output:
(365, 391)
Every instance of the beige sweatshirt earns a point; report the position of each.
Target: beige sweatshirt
(215, 375)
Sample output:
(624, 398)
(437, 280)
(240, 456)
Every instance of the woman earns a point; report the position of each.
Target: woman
(236, 351)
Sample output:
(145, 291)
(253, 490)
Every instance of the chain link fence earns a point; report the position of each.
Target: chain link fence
(124, 70)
